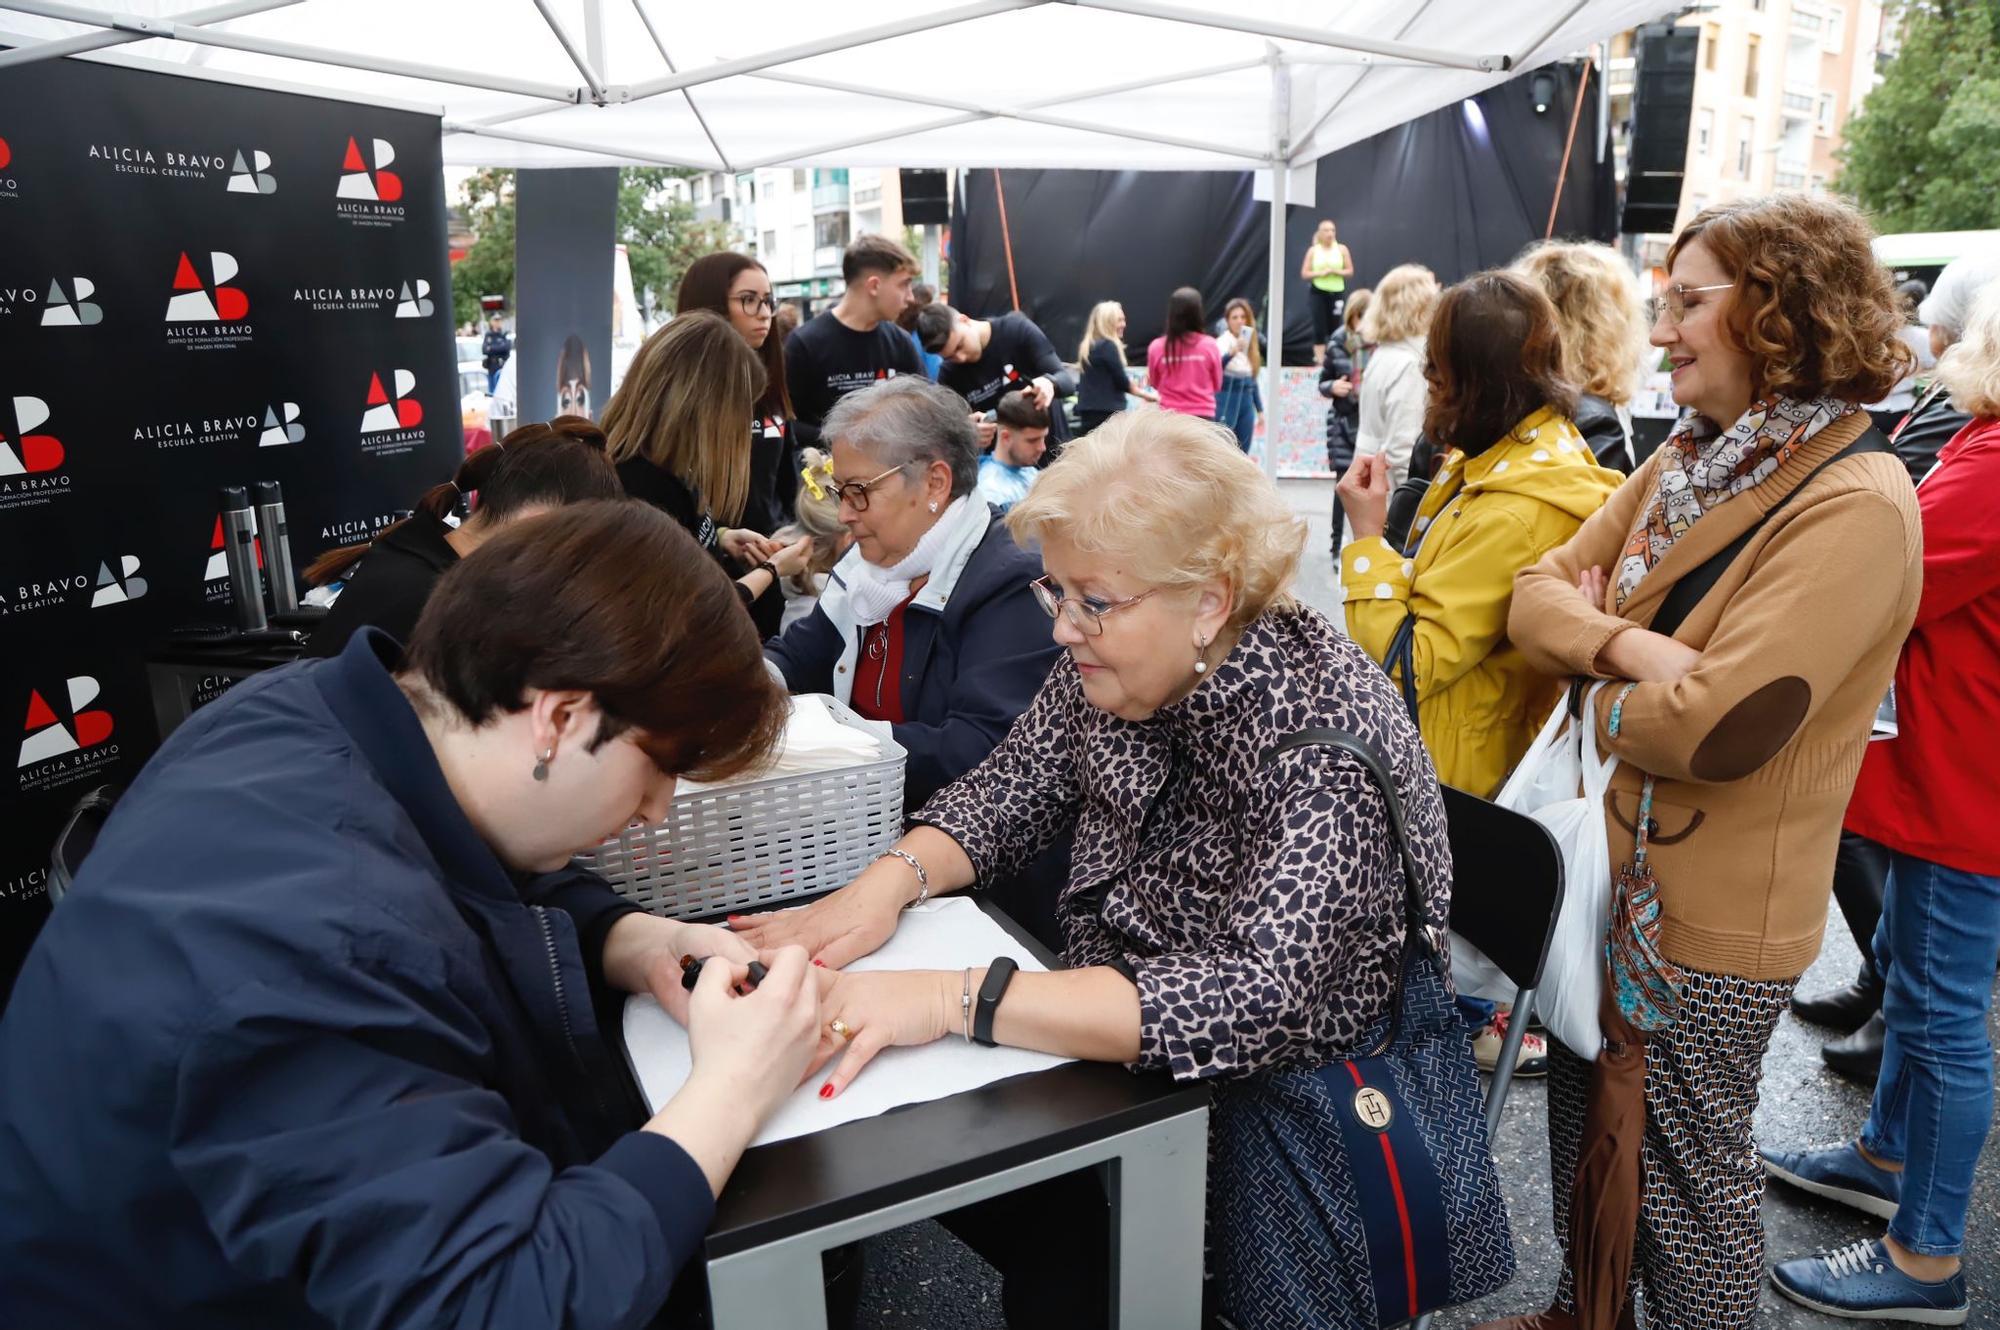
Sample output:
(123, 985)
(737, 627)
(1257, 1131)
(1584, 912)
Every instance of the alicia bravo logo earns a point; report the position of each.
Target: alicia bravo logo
(218, 563)
(207, 315)
(410, 300)
(117, 582)
(63, 312)
(31, 458)
(281, 426)
(251, 174)
(392, 424)
(269, 423)
(369, 194)
(8, 188)
(59, 747)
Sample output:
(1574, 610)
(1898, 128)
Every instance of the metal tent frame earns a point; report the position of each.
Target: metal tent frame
(1282, 149)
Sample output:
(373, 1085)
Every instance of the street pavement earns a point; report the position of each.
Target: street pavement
(921, 1276)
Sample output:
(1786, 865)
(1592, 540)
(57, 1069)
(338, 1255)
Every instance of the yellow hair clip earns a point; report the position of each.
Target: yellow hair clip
(810, 476)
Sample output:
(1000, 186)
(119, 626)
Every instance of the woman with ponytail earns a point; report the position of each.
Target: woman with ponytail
(535, 468)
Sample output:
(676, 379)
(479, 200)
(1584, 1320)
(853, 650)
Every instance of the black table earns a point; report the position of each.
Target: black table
(791, 1200)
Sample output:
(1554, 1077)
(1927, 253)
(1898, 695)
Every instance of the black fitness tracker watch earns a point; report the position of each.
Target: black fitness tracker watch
(998, 975)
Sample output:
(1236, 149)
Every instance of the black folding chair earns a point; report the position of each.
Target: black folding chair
(77, 837)
(1506, 890)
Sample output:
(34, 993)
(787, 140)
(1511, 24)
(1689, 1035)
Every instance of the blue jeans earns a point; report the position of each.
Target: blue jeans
(493, 381)
(1936, 945)
(1236, 407)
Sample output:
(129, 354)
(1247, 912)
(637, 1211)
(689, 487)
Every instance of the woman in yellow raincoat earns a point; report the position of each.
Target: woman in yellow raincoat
(1516, 482)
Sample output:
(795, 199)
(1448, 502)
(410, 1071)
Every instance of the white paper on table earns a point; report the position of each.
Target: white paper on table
(946, 934)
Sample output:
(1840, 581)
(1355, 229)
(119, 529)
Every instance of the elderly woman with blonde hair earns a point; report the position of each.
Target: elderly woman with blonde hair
(1234, 909)
(1602, 319)
(1393, 391)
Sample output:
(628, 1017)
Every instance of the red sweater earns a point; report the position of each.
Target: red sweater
(1928, 792)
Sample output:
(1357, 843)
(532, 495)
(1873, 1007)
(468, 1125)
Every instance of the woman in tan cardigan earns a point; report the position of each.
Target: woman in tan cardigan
(1751, 715)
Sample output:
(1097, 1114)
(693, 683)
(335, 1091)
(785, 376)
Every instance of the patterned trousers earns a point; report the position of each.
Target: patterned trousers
(1700, 1250)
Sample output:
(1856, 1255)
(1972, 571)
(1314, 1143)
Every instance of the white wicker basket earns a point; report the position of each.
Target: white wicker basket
(774, 839)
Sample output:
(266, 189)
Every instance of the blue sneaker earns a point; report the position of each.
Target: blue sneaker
(1861, 1283)
(1839, 1174)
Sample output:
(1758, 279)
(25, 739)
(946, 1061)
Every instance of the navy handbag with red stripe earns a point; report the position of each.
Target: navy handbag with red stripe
(1362, 1193)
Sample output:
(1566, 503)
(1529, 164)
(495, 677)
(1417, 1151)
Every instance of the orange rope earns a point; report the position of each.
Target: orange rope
(1006, 239)
(1575, 114)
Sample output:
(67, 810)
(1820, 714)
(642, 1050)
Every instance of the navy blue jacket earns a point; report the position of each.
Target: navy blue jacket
(967, 672)
(296, 1051)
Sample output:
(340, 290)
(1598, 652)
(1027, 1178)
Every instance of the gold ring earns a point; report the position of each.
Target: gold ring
(842, 1028)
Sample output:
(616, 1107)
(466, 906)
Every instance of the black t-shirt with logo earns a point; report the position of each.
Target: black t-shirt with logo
(1017, 353)
(825, 360)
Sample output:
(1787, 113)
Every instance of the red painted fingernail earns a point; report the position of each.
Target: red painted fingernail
(826, 1091)
(817, 961)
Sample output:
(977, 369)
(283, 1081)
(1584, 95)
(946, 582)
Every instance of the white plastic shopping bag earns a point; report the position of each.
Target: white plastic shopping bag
(1561, 782)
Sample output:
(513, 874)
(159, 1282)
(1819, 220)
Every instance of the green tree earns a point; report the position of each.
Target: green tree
(488, 266)
(660, 235)
(1923, 154)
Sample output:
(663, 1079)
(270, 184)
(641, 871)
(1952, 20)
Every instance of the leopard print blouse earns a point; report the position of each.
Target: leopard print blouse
(1258, 908)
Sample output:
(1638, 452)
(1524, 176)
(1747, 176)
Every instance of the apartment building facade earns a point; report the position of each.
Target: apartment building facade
(798, 221)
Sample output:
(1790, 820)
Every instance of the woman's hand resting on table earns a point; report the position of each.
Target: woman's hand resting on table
(883, 1009)
(1638, 654)
(837, 928)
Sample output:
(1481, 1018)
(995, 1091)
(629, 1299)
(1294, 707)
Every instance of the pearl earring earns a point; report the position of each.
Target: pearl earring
(542, 767)
(1200, 665)
(933, 506)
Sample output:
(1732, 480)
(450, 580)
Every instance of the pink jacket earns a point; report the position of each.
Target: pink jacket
(1186, 375)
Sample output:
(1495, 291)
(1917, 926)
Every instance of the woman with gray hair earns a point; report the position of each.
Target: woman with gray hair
(927, 626)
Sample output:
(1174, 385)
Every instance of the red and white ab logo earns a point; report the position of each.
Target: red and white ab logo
(23, 452)
(6, 155)
(218, 562)
(194, 302)
(281, 425)
(409, 305)
(404, 412)
(119, 587)
(62, 312)
(45, 734)
(359, 181)
(251, 175)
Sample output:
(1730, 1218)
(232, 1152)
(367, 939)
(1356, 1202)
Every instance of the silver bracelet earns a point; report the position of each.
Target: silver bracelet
(923, 878)
(965, 1005)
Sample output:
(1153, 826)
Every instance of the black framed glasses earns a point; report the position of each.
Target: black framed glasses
(1673, 302)
(855, 492)
(1086, 613)
(750, 302)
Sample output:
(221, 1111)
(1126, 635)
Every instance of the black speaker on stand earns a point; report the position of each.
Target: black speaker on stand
(1662, 106)
(926, 199)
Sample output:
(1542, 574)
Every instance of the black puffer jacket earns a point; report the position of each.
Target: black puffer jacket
(1610, 442)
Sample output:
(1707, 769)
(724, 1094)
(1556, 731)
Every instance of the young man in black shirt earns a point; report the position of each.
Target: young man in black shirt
(985, 359)
(848, 347)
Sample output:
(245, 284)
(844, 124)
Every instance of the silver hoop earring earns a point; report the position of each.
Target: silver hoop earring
(542, 767)
(1200, 665)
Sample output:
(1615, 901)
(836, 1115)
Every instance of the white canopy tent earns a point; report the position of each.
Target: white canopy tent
(1111, 84)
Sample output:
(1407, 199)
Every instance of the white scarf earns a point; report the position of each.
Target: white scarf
(874, 593)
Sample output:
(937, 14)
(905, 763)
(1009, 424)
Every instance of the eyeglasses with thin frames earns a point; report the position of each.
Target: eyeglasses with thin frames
(1086, 613)
(855, 492)
(1674, 303)
(750, 302)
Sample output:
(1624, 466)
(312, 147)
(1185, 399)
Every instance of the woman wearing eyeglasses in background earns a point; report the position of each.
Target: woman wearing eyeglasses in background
(1740, 729)
(927, 626)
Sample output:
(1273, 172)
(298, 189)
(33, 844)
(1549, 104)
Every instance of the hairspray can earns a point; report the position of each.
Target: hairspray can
(239, 551)
(277, 547)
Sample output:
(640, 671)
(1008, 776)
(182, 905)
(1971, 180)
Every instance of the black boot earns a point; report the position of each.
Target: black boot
(1845, 1009)
(1859, 1055)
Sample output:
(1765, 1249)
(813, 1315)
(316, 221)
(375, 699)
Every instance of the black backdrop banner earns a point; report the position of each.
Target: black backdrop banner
(564, 223)
(200, 285)
(1458, 190)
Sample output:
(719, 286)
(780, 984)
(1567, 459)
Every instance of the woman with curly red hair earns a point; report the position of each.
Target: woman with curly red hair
(1745, 592)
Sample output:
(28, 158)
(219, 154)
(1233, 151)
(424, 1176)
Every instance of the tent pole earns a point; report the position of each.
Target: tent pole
(672, 68)
(1281, 151)
(576, 57)
(1299, 32)
(97, 41)
(617, 154)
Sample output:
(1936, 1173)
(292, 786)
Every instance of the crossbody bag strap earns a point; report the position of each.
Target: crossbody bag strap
(1416, 919)
(1697, 582)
